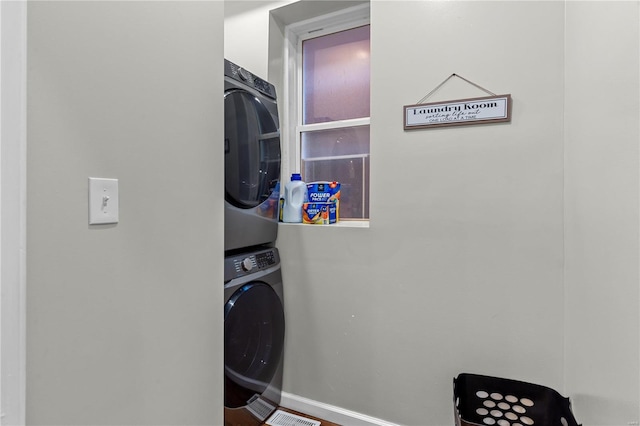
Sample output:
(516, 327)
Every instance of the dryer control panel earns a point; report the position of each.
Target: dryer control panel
(242, 264)
(240, 74)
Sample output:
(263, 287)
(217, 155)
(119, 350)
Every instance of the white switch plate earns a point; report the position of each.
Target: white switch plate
(103, 201)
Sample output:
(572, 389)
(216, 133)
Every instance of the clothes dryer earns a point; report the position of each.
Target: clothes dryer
(253, 336)
(252, 159)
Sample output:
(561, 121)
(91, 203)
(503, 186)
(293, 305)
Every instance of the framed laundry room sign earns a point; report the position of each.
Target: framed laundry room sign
(483, 110)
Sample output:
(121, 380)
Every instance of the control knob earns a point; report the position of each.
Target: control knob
(247, 264)
(244, 74)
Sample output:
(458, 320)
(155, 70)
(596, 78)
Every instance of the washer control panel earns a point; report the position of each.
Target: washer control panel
(247, 263)
(266, 259)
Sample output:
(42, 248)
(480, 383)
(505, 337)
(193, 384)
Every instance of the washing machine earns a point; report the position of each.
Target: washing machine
(254, 330)
(252, 159)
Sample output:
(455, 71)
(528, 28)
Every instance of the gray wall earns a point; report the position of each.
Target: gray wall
(487, 250)
(461, 269)
(601, 210)
(124, 322)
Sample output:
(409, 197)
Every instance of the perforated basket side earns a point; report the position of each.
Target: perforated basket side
(485, 400)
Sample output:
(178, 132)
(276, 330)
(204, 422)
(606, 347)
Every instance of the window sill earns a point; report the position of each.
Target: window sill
(339, 224)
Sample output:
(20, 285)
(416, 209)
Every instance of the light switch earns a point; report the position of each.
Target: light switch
(103, 201)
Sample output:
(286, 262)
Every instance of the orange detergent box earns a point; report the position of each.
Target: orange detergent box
(323, 207)
(320, 213)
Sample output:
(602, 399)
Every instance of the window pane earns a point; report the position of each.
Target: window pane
(335, 74)
(343, 141)
(340, 155)
(353, 175)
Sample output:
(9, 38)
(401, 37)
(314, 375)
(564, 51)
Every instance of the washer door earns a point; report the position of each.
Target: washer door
(253, 342)
(252, 150)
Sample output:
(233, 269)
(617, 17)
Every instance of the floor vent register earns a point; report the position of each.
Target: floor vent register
(281, 418)
(259, 407)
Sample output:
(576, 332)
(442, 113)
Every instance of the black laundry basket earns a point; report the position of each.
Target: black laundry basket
(485, 400)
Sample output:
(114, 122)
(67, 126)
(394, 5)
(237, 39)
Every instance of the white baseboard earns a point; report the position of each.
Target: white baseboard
(329, 412)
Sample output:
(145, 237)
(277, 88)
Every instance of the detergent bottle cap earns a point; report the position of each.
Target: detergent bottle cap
(296, 176)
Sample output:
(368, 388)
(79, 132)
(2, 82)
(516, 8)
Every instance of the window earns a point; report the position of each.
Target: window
(330, 120)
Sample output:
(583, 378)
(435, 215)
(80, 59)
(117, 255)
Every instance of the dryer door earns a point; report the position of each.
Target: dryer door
(253, 342)
(252, 149)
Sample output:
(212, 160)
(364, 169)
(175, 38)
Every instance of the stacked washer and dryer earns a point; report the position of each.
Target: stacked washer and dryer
(253, 312)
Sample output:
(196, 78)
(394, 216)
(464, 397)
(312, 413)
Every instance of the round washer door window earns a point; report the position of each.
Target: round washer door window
(253, 342)
(252, 150)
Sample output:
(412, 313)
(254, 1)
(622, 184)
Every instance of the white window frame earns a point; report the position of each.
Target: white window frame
(295, 34)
